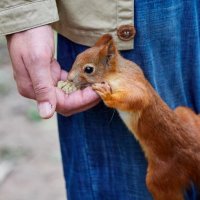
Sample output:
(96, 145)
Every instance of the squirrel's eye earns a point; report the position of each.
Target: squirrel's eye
(88, 69)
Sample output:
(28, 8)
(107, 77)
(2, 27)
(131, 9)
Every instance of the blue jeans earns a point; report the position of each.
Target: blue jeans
(101, 159)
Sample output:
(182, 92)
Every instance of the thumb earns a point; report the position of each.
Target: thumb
(44, 89)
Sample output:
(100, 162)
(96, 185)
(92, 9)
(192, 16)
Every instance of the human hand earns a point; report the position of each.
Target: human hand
(32, 54)
(36, 73)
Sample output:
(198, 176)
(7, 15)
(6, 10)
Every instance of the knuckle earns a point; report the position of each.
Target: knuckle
(39, 56)
(23, 91)
(42, 90)
(25, 88)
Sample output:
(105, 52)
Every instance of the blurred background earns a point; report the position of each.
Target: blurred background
(30, 163)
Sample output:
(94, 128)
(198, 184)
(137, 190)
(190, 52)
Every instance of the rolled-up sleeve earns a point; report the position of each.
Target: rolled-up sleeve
(26, 14)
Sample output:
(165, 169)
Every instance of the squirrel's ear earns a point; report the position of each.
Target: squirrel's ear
(108, 50)
(103, 40)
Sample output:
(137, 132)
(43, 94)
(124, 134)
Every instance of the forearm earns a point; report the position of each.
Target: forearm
(20, 15)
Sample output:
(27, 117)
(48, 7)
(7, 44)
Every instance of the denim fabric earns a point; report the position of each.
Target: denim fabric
(101, 159)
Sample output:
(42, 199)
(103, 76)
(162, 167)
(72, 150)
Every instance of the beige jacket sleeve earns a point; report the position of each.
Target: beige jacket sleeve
(19, 15)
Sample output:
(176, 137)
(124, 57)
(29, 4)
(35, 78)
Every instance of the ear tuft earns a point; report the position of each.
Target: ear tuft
(103, 40)
(108, 49)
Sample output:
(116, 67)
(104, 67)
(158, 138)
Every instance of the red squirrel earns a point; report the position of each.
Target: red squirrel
(169, 138)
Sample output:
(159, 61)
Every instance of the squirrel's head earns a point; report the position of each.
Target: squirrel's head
(92, 65)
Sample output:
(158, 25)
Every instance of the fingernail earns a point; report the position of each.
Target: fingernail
(45, 109)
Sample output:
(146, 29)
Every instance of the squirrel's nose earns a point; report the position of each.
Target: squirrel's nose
(70, 77)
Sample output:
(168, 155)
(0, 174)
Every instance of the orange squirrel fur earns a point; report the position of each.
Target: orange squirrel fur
(170, 139)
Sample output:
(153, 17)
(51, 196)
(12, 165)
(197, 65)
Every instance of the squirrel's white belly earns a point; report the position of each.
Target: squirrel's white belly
(131, 120)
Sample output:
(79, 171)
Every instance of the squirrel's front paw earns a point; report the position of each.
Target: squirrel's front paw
(102, 89)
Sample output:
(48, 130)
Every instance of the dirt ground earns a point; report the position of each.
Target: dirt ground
(30, 163)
